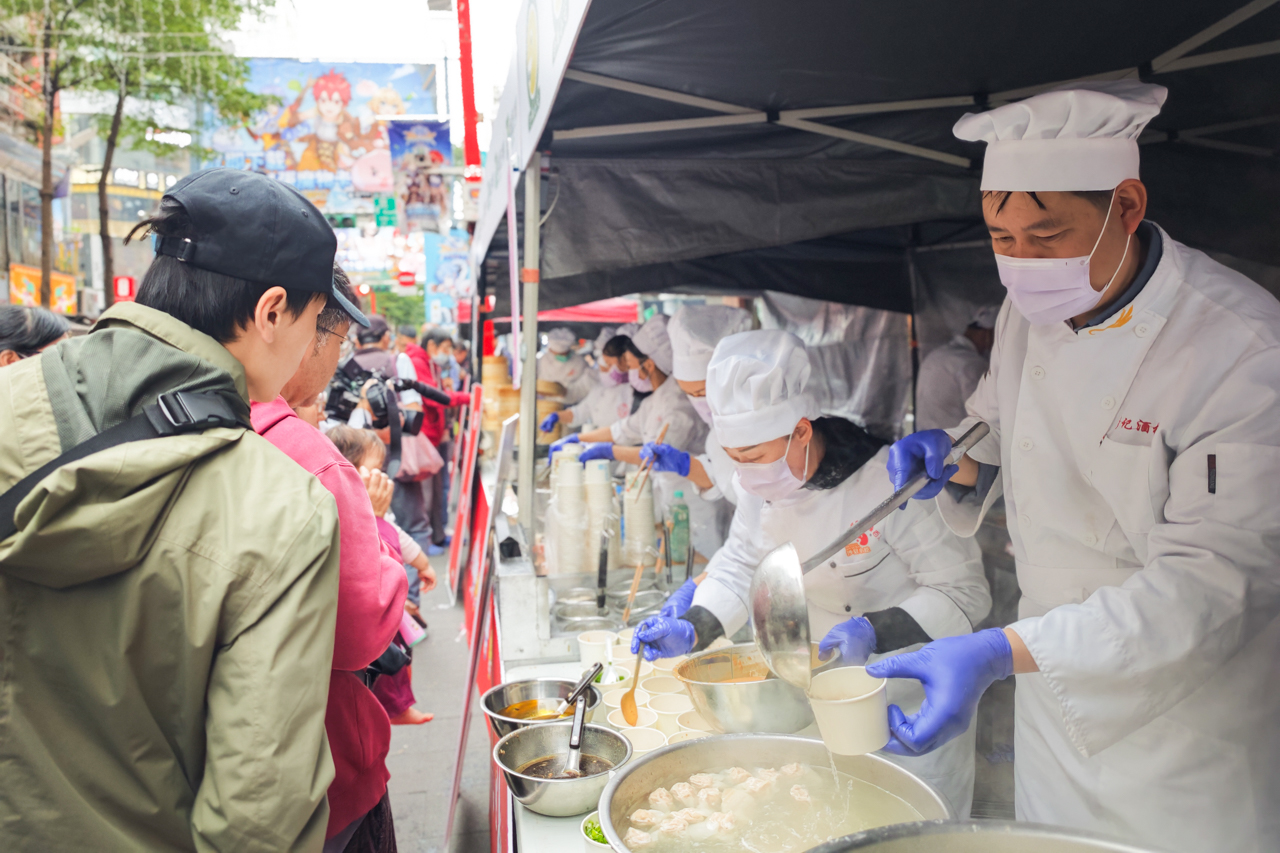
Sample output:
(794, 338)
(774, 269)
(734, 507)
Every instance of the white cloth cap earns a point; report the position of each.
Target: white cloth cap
(695, 330)
(984, 316)
(1067, 140)
(653, 341)
(561, 340)
(628, 329)
(606, 334)
(757, 385)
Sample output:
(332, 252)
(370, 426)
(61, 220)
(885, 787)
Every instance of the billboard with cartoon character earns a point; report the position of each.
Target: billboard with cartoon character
(418, 149)
(325, 136)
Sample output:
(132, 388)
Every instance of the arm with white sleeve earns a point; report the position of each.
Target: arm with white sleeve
(720, 605)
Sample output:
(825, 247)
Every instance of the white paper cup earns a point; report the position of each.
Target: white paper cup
(645, 719)
(595, 646)
(681, 737)
(643, 740)
(851, 709)
(692, 721)
(656, 684)
(613, 701)
(669, 707)
(624, 640)
(666, 666)
(628, 662)
(591, 844)
(607, 684)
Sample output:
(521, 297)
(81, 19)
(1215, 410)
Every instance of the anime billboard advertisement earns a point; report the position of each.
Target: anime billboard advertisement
(326, 137)
(418, 149)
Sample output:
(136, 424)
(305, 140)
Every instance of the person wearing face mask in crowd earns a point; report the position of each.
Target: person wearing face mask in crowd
(649, 365)
(559, 363)
(1135, 435)
(608, 401)
(803, 478)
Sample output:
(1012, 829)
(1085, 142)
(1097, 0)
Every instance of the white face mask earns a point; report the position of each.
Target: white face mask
(702, 407)
(442, 359)
(772, 481)
(644, 386)
(1053, 290)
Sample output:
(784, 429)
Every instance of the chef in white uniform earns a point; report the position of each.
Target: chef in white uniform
(695, 330)
(1135, 416)
(950, 373)
(649, 369)
(803, 478)
(609, 399)
(559, 363)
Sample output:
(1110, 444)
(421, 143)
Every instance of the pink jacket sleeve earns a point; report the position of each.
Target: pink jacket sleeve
(372, 584)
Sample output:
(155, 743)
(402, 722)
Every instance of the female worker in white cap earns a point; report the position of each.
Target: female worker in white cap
(803, 479)
(649, 370)
(1134, 404)
(609, 399)
(950, 373)
(559, 363)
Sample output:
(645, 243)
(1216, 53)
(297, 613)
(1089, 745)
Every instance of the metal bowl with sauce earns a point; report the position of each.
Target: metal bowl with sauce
(734, 691)
(559, 797)
(550, 691)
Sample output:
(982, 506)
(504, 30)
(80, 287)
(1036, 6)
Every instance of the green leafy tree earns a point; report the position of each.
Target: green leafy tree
(402, 310)
(167, 53)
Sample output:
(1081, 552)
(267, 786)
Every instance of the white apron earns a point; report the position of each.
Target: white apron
(1150, 591)
(910, 561)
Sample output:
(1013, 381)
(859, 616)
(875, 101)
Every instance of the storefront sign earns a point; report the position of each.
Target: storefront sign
(24, 289)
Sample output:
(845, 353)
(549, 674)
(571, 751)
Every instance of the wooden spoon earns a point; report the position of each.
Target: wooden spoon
(630, 712)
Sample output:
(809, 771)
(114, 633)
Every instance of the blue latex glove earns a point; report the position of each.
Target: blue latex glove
(680, 600)
(603, 450)
(549, 422)
(927, 451)
(558, 444)
(854, 639)
(665, 458)
(663, 637)
(955, 672)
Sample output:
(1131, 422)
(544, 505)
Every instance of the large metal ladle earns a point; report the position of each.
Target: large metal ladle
(779, 611)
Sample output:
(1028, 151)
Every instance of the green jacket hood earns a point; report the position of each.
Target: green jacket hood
(99, 516)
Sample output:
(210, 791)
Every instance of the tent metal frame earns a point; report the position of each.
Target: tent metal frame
(1174, 59)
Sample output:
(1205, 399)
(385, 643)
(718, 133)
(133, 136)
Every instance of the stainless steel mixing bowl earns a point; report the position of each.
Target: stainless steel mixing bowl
(771, 705)
(647, 603)
(662, 768)
(987, 836)
(617, 593)
(504, 695)
(558, 797)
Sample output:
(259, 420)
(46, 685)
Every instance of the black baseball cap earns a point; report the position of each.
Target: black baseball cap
(251, 227)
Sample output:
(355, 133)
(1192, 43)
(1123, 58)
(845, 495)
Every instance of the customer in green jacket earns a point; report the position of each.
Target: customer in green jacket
(167, 605)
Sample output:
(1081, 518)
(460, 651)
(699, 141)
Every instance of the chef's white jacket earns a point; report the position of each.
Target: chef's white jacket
(574, 374)
(948, 375)
(686, 431)
(1140, 465)
(603, 406)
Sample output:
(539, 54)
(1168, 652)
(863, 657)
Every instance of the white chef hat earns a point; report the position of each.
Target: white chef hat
(607, 334)
(561, 340)
(984, 316)
(695, 330)
(653, 341)
(757, 387)
(628, 329)
(1067, 140)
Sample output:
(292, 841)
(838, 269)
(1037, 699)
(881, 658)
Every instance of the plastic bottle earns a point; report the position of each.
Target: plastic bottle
(679, 518)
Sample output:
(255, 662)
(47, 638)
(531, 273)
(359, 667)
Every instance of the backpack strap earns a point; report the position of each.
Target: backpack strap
(173, 413)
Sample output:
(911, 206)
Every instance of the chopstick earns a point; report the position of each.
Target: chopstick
(644, 468)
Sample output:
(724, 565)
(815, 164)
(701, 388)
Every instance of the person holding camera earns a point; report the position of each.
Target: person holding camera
(168, 579)
(371, 592)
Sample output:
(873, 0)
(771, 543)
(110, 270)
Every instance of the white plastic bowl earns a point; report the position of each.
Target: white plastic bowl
(669, 707)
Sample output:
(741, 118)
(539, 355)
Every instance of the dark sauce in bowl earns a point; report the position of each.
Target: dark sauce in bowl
(551, 767)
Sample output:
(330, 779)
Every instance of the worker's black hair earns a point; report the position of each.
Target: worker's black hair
(846, 448)
(1100, 199)
(616, 346)
(216, 304)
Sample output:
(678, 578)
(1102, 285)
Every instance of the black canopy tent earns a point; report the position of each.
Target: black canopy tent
(726, 146)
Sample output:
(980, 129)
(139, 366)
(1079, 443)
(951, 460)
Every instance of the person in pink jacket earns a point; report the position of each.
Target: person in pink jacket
(371, 594)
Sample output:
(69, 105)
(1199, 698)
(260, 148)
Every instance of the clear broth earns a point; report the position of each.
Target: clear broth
(773, 821)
